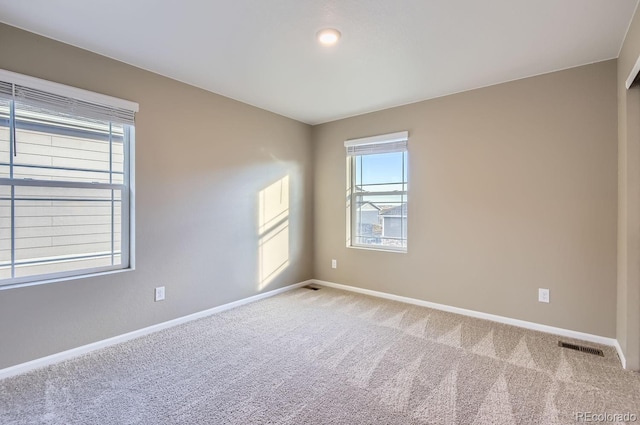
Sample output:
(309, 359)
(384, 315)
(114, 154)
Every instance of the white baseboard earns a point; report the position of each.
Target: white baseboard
(78, 351)
(480, 315)
(623, 359)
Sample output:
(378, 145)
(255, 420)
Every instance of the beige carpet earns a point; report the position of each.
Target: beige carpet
(326, 357)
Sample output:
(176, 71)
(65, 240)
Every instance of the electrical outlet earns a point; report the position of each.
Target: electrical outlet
(160, 293)
(334, 264)
(543, 295)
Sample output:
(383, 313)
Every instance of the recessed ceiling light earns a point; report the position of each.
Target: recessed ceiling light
(328, 36)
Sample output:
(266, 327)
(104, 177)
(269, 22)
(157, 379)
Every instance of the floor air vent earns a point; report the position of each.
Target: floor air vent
(589, 350)
(313, 288)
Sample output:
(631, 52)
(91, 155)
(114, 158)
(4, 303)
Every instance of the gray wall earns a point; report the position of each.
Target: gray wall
(201, 162)
(512, 187)
(628, 314)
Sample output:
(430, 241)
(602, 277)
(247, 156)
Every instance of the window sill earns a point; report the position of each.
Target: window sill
(65, 279)
(370, 248)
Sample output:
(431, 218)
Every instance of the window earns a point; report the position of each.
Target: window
(65, 180)
(377, 192)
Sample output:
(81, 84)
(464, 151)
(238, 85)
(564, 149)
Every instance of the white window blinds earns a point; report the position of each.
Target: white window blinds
(384, 143)
(65, 100)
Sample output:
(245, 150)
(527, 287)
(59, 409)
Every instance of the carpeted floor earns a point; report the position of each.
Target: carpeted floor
(326, 357)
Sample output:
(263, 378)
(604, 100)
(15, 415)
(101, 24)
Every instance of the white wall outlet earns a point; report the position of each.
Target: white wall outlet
(543, 295)
(334, 264)
(160, 293)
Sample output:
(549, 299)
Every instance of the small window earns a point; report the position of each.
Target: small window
(65, 179)
(378, 187)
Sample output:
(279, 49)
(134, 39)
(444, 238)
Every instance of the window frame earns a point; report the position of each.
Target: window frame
(126, 188)
(352, 196)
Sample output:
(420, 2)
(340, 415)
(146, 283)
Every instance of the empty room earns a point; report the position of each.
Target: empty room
(319, 212)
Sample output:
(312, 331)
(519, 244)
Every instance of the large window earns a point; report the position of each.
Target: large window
(65, 181)
(377, 192)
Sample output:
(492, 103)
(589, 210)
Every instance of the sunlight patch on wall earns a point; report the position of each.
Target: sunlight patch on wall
(273, 230)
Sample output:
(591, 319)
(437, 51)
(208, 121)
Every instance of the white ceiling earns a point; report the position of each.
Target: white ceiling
(392, 52)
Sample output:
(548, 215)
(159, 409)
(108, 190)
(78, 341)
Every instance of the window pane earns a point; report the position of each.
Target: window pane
(62, 229)
(117, 153)
(405, 159)
(51, 146)
(381, 220)
(379, 169)
(379, 210)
